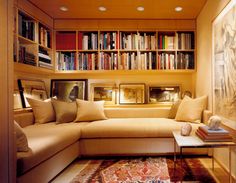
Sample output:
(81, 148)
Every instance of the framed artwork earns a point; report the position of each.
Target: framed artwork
(163, 94)
(132, 93)
(224, 64)
(69, 90)
(33, 89)
(17, 100)
(103, 91)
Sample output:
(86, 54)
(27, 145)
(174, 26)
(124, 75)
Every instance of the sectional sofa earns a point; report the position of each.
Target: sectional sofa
(127, 131)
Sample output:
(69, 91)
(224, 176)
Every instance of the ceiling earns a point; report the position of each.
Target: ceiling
(154, 9)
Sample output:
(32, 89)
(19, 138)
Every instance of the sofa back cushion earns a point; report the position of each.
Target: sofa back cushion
(24, 118)
(140, 112)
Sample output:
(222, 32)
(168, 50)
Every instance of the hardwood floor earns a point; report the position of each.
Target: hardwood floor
(220, 175)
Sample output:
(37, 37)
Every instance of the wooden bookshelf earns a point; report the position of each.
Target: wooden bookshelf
(128, 50)
(32, 42)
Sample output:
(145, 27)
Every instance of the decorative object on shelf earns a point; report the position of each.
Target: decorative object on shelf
(132, 93)
(214, 122)
(104, 91)
(32, 89)
(186, 129)
(223, 64)
(186, 93)
(69, 90)
(157, 94)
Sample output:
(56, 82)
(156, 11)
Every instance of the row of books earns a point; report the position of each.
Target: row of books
(208, 135)
(44, 37)
(166, 42)
(185, 41)
(66, 61)
(26, 57)
(185, 60)
(87, 41)
(26, 28)
(108, 41)
(65, 41)
(124, 61)
(132, 41)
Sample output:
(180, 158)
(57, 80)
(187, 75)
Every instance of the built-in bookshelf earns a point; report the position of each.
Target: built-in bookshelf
(32, 42)
(125, 50)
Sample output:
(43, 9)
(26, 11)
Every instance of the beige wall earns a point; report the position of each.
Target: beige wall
(204, 51)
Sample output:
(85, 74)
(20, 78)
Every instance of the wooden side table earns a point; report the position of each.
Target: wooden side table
(194, 141)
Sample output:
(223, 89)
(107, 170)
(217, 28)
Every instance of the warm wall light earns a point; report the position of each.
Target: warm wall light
(178, 8)
(140, 8)
(63, 8)
(102, 8)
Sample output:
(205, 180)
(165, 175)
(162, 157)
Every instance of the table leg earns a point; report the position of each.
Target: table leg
(229, 164)
(212, 159)
(174, 150)
(181, 158)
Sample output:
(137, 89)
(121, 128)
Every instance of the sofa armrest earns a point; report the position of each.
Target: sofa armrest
(206, 115)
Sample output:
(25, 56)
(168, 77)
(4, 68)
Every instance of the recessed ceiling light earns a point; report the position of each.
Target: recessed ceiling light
(63, 8)
(140, 8)
(178, 8)
(102, 8)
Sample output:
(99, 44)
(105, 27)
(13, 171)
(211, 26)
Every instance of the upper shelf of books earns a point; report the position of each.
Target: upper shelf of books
(125, 50)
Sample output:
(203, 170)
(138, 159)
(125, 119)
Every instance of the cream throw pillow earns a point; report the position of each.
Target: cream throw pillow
(43, 110)
(21, 139)
(65, 111)
(174, 108)
(191, 109)
(90, 111)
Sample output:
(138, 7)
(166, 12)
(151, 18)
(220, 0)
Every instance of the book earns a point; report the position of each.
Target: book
(225, 136)
(208, 131)
(213, 140)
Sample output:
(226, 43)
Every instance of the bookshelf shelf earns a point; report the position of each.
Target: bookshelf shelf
(25, 68)
(46, 48)
(24, 40)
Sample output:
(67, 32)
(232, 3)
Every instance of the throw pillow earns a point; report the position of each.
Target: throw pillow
(90, 110)
(174, 109)
(65, 111)
(191, 109)
(43, 110)
(21, 139)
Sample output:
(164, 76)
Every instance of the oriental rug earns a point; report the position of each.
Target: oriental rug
(143, 170)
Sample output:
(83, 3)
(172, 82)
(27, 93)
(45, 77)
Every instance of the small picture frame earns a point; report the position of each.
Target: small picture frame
(103, 91)
(32, 89)
(163, 94)
(132, 93)
(69, 90)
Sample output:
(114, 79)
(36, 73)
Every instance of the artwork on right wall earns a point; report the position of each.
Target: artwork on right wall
(224, 63)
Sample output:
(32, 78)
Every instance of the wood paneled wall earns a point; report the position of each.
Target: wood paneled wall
(7, 150)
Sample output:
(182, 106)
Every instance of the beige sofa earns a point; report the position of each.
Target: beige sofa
(128, 131)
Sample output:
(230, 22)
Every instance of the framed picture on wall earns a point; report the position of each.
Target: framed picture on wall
(224, 64)
(69, 90)
(132, 93)
(103, 91)
(163, 94)
(32, 89)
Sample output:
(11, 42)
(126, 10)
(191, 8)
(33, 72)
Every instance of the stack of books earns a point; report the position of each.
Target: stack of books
(207, 135)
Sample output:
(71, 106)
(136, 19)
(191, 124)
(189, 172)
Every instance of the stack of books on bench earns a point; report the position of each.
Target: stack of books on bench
(207, 135)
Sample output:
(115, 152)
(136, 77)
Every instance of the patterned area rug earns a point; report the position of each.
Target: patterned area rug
(143, 170)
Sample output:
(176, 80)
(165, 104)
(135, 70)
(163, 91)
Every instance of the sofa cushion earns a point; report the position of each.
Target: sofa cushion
(45, 140)
(191, 109)
(132, 127)
(43, 110)
(174, 108)
(21, 139)
(90, 110)
(65, 111)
